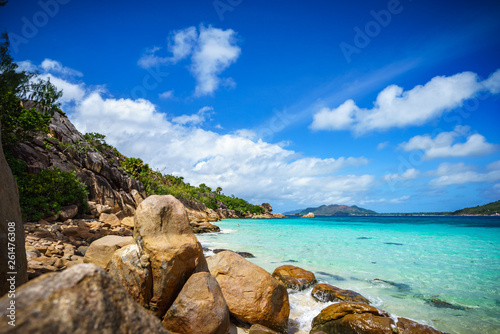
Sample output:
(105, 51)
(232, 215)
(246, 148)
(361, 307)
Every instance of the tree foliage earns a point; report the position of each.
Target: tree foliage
(18, 86)
(158, 184)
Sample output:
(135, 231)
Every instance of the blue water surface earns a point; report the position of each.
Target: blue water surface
(442, 271)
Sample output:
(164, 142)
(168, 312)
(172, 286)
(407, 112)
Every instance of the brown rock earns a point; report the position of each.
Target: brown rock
(259, 329)
(355, 318)
(110, 218)
(135, 275)
(199, 308)
(101, 251)
(294, 277)
(309, 215)
(407, 326)
(329, 293)
(128, 221)
(68, 212)
(81, 299)
(251, 293)
(11, 230)
(162, 232)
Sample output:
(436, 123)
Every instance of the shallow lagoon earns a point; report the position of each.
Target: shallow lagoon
(442, 271)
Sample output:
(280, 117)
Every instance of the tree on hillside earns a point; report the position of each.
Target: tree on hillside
(17, 86)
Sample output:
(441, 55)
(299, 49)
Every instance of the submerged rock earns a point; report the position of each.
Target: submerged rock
(81, 299)
(200, 307)
(252, 294)
(294, 277)
(329, 293)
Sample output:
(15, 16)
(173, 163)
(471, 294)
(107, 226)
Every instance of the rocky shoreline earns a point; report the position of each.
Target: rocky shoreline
(152, 266)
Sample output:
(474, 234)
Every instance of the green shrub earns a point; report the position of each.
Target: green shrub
(43, 194)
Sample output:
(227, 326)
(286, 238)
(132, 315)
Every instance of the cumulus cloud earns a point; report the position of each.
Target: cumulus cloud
(55, 67)
(395, 107)
(454, 174)
(444, 146)
(239, 162)
(212, 50)
(194, 119)
(166, 95)
(53, 70)
(409, 174)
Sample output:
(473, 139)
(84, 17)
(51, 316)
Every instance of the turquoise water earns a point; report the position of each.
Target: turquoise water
(453, 259)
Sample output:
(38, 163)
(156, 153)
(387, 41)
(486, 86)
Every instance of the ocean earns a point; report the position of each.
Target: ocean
(440, 271)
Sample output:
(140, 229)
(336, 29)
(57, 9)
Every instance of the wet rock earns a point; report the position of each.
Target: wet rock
(259, 329)
(294, 277)
(203, 227)
(199, 308)
(436, 302)
(353, 318)
(81, 299)
(358, 318)
(163, 234)
(329, 293)
(251, 293)
(101, 251)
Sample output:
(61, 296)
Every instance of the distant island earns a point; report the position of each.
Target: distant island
(334, 210)
(490, 209)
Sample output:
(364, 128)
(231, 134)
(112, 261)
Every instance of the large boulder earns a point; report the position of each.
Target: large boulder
(133, 273)
(358, 318)
(294, 278)
(251, 293)
(13, 254)
(199, 308)
(81, 299)
(309, 215)
(163, 234)
(329, 293)
(101, 251)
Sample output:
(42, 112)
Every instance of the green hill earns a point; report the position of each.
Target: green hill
(335, 210)
(487, 209)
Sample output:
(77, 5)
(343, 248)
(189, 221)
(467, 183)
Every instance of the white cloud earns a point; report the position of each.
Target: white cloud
(71, 92)
(167, 95)
(216, 50)
(399, 200)
(212, 50)
(253, 169)
(444, 146)
(409, 174)
(239, 162)
(395, 107)
(194, 119)
(55, 67)
(454, 174)
(383, 145)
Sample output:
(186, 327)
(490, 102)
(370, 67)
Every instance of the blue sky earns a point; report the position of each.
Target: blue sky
(389, 105)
